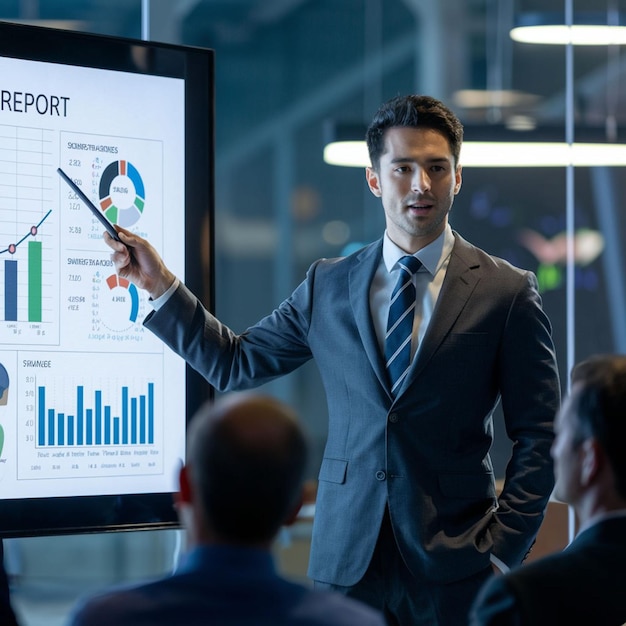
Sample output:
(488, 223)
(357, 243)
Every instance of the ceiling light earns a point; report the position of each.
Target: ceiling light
(587, 29)
(520, 122)
(346, 153)
(495, 146)
(484, 98)
(541, 154)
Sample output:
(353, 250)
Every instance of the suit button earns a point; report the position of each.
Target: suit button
(394, 417)
(380, 475)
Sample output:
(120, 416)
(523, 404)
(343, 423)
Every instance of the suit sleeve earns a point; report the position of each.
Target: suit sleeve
(530, 396)
(274, 346)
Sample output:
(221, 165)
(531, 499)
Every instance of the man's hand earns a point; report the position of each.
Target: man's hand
(136, 260)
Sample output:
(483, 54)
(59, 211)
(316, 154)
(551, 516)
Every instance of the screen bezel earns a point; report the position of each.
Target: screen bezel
(83, 514)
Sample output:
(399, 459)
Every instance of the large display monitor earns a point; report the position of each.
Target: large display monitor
(93, 408)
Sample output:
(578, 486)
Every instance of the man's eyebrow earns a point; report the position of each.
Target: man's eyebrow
(414, 160)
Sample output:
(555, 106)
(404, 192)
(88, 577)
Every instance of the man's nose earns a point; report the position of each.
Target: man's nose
(421, 181)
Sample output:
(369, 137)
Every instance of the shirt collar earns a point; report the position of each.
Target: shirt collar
(218, 557)
(431, 256)
(601, 517)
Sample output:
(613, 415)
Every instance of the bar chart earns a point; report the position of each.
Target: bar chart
(29, 250)
(34, 277)
(95, 423)
(90, 418)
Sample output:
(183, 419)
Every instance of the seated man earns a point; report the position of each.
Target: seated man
(243, 479)
(585, 583)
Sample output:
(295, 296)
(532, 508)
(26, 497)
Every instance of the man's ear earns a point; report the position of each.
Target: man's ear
(293, 514)
(373, 182)
(184, 495)
(592, 461)
(458, 179)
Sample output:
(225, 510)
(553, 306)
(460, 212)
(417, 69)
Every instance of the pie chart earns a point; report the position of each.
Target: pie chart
(122, 194)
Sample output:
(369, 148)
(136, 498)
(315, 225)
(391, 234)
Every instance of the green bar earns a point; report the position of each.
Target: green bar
(34, 281)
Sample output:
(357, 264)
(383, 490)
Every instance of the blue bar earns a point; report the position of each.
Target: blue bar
(150, 412)
(116, 430)
(61, 429)
(107, 425)
(70, 430)
(124, 414)
(79, 415)
(89, 418)
(41, 435)
(10, 290)
(142, 419)
(50, 427)
(133, 420)
(98, 417)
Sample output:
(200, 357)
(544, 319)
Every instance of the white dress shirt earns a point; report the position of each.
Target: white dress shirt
(428, 280)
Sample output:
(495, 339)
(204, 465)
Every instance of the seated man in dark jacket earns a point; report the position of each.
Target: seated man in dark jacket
(586, 582)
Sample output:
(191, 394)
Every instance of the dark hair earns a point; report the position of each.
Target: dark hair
(601, 391)
(413, 111)
(247, 456)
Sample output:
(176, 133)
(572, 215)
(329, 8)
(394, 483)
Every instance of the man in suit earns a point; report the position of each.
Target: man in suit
(585, 583)
(407, 518)
(243, 479)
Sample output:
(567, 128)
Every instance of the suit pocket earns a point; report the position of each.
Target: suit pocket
(333, 470)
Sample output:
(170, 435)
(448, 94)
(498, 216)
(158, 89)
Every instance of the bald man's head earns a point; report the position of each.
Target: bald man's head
(246, 456)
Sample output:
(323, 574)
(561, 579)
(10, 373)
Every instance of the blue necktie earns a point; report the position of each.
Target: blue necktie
(400, 323)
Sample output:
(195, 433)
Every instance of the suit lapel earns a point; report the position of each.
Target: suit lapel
(360, 280)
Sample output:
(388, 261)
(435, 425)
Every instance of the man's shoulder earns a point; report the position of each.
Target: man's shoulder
(333, 609)
(271, 601)
(535, 581)
(563, 587)
(521, 592)
(474, 255)
(116, 605)
(352, 256)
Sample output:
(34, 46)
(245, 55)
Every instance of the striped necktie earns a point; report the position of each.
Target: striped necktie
(400, 323)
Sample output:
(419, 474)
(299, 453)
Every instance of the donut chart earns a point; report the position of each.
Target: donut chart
(123, 304)
(122, 194)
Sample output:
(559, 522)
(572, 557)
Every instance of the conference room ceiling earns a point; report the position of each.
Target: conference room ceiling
(471, 45)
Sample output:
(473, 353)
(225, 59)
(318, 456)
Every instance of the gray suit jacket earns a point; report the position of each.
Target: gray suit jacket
(426, 453)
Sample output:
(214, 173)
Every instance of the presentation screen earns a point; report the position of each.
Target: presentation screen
(93, 407)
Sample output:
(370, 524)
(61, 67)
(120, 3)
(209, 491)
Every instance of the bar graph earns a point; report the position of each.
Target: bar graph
(93, 422)
(86, 418)
(29, 237)
(33, 270)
